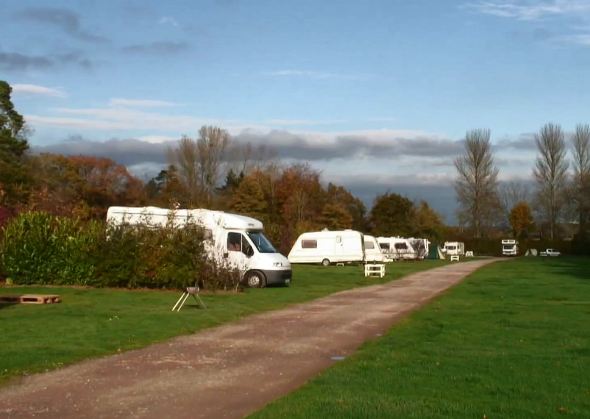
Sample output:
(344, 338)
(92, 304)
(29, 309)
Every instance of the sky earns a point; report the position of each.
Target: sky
(376, 95)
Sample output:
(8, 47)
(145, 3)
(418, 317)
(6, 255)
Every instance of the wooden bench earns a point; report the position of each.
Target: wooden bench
(375, 269)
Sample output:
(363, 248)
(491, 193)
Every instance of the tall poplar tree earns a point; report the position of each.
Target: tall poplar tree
(477, 185)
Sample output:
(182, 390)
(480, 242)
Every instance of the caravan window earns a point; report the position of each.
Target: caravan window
(384, 246)
(369, 245)
(401, 246)
(309, 244)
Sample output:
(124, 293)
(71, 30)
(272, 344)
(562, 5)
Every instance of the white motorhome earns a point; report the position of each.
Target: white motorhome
(326, 247)
(509, 247)
(454, 248)
(396, 248)
(231, 239)
(373, 251)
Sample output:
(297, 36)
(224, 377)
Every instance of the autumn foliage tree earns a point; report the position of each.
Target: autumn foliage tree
(521, 220)
(84, 186)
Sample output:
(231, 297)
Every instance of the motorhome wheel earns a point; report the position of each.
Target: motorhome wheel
(255, 279)
(325, 262)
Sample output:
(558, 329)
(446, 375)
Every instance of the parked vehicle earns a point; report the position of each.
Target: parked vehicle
(327, 247)
(373, 250)
(509, 247)
(550, 252)
(231, 239)
(454, 248)
(396, 248)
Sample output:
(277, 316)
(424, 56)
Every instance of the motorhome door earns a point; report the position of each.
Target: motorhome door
(239, 250)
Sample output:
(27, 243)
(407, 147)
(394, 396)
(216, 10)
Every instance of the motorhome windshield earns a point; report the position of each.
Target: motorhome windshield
(261, 242)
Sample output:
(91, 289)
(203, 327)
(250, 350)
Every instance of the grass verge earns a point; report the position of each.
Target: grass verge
(511, 341)
(95, 322)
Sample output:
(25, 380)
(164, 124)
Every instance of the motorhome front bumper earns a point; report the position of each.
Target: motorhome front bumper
(278, 277)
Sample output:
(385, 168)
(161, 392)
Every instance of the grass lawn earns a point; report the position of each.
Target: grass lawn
(94, 322)
(511, 341)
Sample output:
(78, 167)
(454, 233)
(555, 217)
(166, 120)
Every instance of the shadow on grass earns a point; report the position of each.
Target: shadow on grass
(574, 266)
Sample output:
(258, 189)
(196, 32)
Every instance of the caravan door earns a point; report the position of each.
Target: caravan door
(239, 251)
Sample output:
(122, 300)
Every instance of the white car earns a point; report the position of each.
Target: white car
(550, 252)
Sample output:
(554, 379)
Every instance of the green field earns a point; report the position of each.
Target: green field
(95, 322)
(511, 341)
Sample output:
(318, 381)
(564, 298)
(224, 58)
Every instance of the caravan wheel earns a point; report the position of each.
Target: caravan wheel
(255, 279)
(325, 262)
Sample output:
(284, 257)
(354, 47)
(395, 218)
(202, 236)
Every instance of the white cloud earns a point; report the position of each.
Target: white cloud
(140, 103)
(167, 20)
(33, 89)
(523, 10)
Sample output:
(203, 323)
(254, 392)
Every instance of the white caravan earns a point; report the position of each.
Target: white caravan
(396, 248)
(373, 250)
(231, 239)
(509, 247)
(326, 247)
(454, 249)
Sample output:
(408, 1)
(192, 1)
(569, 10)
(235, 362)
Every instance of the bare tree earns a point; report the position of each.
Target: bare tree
(477, 184)
(551, 174)
(185, 159)
(581, 178)
(212, 144)
(199, 163)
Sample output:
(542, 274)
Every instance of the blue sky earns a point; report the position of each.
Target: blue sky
(376, 94)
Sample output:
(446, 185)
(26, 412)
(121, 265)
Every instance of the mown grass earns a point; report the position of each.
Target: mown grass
(95, 322)
(512, 341)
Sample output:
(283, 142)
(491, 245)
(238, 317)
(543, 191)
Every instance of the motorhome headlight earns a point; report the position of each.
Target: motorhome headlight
(277, 264)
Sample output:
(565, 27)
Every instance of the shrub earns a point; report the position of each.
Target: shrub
(38, 248)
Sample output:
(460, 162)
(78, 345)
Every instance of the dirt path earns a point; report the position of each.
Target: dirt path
(232, 370)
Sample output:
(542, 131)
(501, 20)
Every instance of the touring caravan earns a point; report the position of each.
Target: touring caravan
(454, 248)
(327, 247)
(373, 250)
(231, 239)
(396, 248)
(509, 247)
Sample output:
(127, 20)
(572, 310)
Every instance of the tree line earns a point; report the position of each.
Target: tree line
(208, 171)
(213, 171)
(559, 196)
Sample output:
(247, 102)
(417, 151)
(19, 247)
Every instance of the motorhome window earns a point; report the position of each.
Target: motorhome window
(261, 242)
(309, 244)
(451, 247)
(384, 246)
(369, 245)
(234, 242)
(246, 247)
(401, 246)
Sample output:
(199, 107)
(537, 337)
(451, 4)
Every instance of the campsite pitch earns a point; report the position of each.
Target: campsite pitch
(231, 370)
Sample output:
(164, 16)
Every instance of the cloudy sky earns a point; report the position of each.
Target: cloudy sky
(377, 95)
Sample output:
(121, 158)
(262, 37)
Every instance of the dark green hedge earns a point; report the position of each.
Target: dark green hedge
(39, 248)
